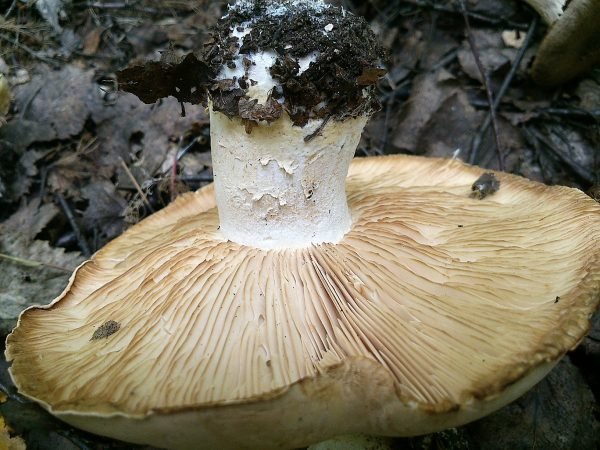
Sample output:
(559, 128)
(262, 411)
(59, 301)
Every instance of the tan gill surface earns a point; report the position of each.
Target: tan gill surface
(455, 297)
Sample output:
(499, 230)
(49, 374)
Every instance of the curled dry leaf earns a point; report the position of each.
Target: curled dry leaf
(185, 78)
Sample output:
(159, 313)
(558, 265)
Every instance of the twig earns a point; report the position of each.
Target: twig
(476, 143)
(446, 59)
(26, 49)
(441, 7)
(315, 133)
(196, 178)
(83, 245)
(173, 194)
(28, 102)
(31, 263)
(10, 8)
(570, 112)
(124, 5)
(575, 167)
(386, 120)
(486, 83)
(137, 186)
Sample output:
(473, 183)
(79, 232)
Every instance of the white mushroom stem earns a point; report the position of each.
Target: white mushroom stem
(273, 189)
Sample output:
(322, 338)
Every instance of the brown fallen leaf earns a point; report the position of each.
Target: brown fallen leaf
(105, 210)
(30, 219)
(91, 41)
(429, 91)
(491, 50)
(59, 99)
(22, 286)
(185, 78)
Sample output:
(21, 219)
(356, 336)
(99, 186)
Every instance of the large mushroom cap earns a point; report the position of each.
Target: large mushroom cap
(435, 309)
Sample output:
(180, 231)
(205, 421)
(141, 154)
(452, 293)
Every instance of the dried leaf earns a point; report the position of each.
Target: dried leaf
(58, 99)
(30, 219)
(185, 79)
(50, 11)
(105, 210)
(427, 94)
(370, 75)
(491, 51)
(460, 123)
(142, 136)
(253, 111)
(91, 41)
(21, 286)
(65, 174)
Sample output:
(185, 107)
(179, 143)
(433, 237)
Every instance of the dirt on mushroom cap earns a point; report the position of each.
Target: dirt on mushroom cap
(337, 85)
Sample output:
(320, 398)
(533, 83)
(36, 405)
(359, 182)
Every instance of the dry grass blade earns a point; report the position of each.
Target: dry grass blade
(31, 263)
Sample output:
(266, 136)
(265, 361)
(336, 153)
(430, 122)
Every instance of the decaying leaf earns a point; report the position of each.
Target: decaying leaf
(21, 286)
(429, 91)
(460, 121)
(50, 10)
(64, 174)
(106, 208)
(30, 219)
(185, 78)
(370, 75)
(251, 110)
(491, 51)
(59, 99)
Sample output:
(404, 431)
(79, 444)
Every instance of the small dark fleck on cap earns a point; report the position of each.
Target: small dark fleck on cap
(105, 330)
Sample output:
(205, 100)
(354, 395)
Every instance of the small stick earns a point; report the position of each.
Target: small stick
(136, 184)
(31, 263)
(10, 8)
(476, 143)
(581, 171)
(28, 102)
(196, 178)
(314, 134)
(83, 245)
(441, 7)
(26, 49)
(486, 84)
(173, 177)
(569, 112)
(125, 5)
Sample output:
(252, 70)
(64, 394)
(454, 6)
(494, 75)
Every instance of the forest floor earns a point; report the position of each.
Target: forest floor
(80, 161)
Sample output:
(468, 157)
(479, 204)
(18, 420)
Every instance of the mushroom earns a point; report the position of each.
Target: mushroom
(572, 45)
(288, 303)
